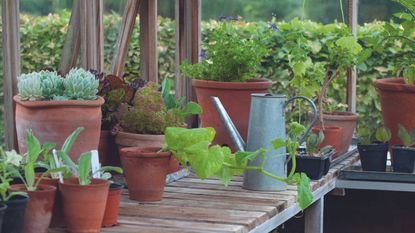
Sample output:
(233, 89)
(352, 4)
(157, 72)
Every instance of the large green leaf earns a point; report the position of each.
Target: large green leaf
(84, 168)
(34, 147)
(305, 197)
(67, 145)
(191, 108)
(205, 161)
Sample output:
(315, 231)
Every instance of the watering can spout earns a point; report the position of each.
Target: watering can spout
(230, 127)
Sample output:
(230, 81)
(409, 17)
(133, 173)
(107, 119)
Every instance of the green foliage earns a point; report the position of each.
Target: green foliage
(9, 160)
(80, 85)
(192, 146)
(233, 54)
(30, 86)
(51, 84)
(368, 135)
(383, 134)
(408, 138)
(313, 141)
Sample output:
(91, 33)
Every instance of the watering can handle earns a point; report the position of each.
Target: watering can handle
(313, 121)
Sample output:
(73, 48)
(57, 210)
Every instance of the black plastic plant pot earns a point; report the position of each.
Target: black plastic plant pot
(3, 208)
(373, 156)
(13, 219)
(403, 159)
(314, 166)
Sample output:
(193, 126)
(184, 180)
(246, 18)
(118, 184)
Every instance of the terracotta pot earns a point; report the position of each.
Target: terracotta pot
(332, 137)
(346, 121)
(39, 207)
(124, 139)
(112, 206)
(145, 171)
(84, 205)
(397, 101)
(57, 215)
(107, 149)
(235, 97)
(54, 121)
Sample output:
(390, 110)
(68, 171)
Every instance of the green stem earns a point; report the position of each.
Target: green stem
(342, 11)
(259, 169)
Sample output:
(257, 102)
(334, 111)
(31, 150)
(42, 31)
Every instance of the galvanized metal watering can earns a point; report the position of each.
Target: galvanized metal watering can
(266, 123)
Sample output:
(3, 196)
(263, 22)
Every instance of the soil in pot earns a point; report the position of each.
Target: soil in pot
(84, 205)
(124, 139)
(235, 97)
(107, 150)
(332, 137)
(314, 166)
(13, 220)
(373, 156)
(38, 213)
(397, 101)
(112, 206)
(54, 121)
(145, 170)
(403, 159)
(346, 121)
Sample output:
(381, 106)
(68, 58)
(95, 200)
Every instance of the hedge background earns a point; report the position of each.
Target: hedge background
(42, 39)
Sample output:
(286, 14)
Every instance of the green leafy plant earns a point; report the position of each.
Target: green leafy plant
(150, 114)
(366, 135)
(233, 54)
(313, 141)
(193, 146)
(383, 134)
(407, 137)
(9, 161)
(83, 168)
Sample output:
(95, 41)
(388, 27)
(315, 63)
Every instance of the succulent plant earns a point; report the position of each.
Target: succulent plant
(30, 86)
(52, 84)
(80, 85)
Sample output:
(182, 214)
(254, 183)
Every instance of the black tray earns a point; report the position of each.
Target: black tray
(356, 173)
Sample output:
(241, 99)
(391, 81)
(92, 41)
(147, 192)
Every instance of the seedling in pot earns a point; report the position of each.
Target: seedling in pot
(408, 138)
(382, 135)
(312, 144)
(9, 160)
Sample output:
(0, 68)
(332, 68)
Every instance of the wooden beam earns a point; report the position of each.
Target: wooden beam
(11, 66)
(92, 34)
(188, 36)
(124, 37)
(351, 72)
(148, 40)
(72, 45)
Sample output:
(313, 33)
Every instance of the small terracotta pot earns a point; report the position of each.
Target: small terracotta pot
(57, 215)
(54, 121)
(107, 149)
(332, 137)
(346, 121)
(84, 205)
(112, 206)
(124, 139)
(397, 101)
(39, 207)
(145, 171)
(235, 97)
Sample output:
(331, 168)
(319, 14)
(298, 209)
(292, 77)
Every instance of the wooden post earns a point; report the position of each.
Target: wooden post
(73, 40)
(11, 66)
(124, 37)
(314, 216)
(351, 72)
(148, 40)
(188, 36)
(92, 34)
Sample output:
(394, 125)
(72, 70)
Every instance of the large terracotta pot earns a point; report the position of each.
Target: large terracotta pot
(235, 97)
(397, 101)
(107, 149)
(84, 205)
(346, 121)
(113, 205)
(54, 121)
(332, 137)
(39, 207)
(124, 139)
(145, 170)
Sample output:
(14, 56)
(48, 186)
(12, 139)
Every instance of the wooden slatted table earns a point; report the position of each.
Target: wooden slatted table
(194, 205)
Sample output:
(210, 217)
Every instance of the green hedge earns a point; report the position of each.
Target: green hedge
(42, 39)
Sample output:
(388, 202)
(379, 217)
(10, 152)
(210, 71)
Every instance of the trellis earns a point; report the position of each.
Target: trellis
(85, 40)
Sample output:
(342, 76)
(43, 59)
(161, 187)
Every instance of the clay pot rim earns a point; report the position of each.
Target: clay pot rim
(73, 182)
(58, 103)
(401, 147)
(393, 84)
(135, 135)
(341, 115)
(144, 152)
(41, 188)
(329, 128)
(251, 84)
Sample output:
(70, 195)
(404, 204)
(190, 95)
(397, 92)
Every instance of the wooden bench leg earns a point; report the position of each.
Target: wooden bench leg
(314, 217)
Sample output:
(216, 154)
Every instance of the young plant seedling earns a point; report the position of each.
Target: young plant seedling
(383, 135)
(366, 135)
(313, 141)
(408, 138)
(9, 160)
